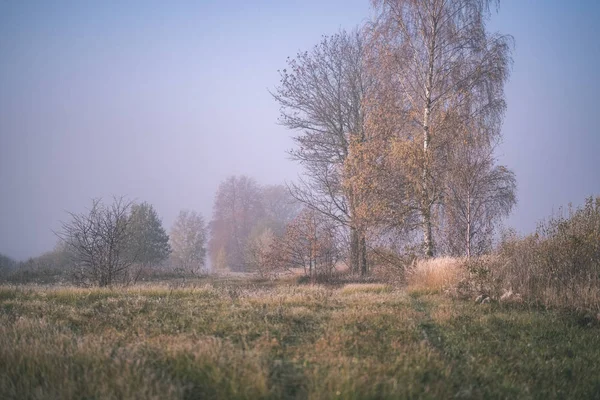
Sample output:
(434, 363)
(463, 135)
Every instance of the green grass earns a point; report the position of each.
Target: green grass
(253, 340)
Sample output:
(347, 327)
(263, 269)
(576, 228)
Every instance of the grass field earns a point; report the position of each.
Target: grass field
(251, 340)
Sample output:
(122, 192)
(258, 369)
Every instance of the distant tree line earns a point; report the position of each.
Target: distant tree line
(264, 229)
(255, 228)
(246, 214)
(116, 243)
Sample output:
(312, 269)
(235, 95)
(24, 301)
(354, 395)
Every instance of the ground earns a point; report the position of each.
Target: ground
(247, 339)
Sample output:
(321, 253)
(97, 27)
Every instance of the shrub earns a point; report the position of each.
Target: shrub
(558, 266)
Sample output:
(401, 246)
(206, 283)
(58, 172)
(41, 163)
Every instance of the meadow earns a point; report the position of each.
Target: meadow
(236, 338)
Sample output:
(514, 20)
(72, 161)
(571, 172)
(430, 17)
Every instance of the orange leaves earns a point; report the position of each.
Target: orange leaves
(309, 242)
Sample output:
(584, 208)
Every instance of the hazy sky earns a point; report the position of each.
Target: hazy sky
(162, 100)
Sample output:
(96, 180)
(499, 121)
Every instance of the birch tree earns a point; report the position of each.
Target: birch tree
(478, 194)
(449, 72)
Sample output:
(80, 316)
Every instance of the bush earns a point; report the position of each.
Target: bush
(558, 266)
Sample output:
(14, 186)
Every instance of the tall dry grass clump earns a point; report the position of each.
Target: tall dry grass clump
(436, 274)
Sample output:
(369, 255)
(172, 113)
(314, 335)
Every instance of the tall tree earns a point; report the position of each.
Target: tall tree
(321, 98)
(237, 208)
(148, 242)
(188, 241)
(449, 72)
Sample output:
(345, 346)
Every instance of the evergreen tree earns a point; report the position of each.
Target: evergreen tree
(149, 242)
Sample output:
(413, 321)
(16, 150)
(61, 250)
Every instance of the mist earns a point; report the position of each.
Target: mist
(161, 102)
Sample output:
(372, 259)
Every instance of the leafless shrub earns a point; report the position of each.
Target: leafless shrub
(98, 242)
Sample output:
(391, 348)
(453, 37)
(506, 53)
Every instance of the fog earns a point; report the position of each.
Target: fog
(161, 101)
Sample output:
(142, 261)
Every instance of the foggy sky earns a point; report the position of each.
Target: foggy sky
(161, 101)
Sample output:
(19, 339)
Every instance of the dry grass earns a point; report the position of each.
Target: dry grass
(243, 340)
(435, 275)
(365, 288)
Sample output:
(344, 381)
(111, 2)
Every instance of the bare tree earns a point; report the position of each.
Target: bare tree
(321, 97)
(449, 72)
(188, 241)
(98, 242)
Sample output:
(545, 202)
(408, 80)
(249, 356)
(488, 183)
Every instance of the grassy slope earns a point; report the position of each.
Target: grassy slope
(247, 341)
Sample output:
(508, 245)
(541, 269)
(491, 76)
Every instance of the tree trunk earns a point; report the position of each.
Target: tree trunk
(354, 250)
(468, 233)
(425, 195)
(427, 233)
(425, 202)
(364, 267)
